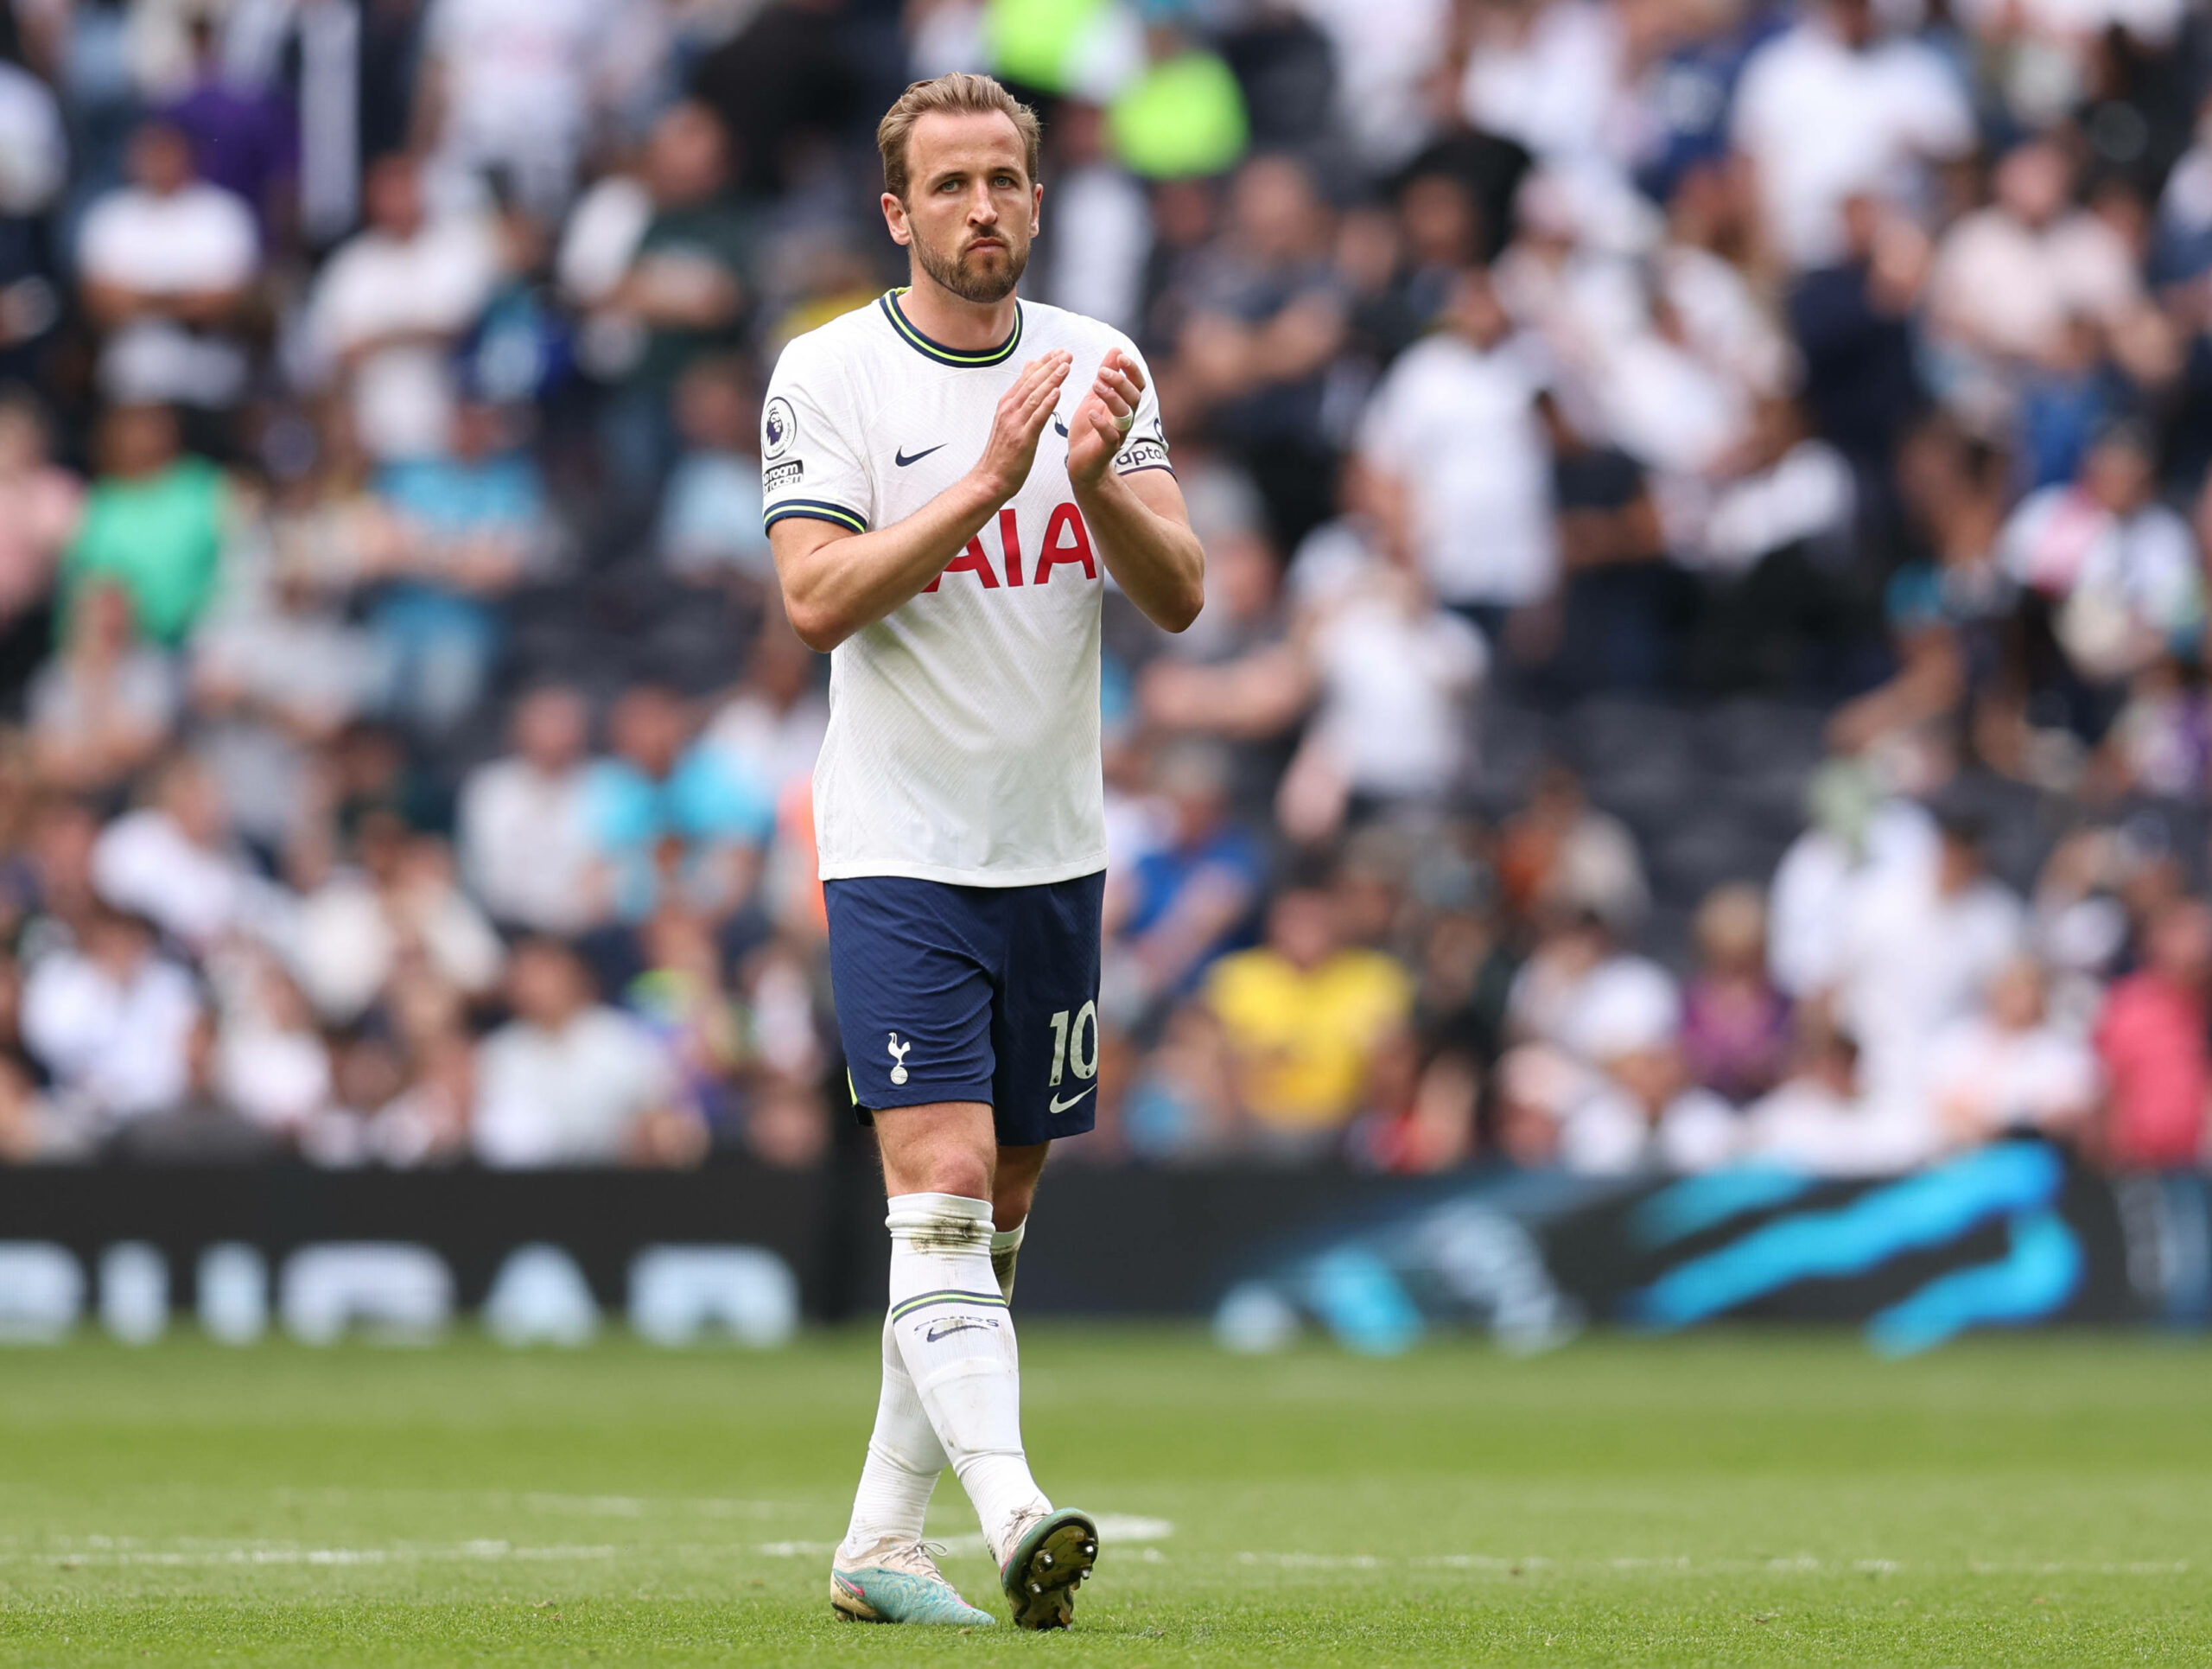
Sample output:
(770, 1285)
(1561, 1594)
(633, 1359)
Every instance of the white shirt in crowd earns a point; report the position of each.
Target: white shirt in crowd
(963, 740)
(347, 938)
(2018, 285)
(566, 1098)
(121, 1045)
(775, 747)
(1984, 1080)
(1808, 1125)
(1810, 906)
(526, 845)
(199, 237)
(377, 286)
(2123, 580)
(1458, 426)
(516, 76)
(1822, 122)
(144, 862)
(1395, 672)
(1384, 54)
(1915, 962)
(1608, 1135)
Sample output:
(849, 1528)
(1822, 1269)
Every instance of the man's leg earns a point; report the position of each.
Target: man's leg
(1012, 1191)
(951, 1325)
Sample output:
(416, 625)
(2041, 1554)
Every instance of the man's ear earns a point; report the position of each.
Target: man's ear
(1036, 209)
(894, 216)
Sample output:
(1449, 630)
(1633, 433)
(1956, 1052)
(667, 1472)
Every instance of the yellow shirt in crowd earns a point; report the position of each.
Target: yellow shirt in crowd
(1303, 1039)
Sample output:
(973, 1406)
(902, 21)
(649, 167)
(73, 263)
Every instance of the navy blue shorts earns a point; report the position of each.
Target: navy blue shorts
(985, 994)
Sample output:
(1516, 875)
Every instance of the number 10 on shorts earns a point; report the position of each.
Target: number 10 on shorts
(1075, 1044)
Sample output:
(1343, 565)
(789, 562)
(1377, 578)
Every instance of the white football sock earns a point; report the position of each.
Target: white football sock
(957, 1336)
(904, 1458)
(1006, 1246)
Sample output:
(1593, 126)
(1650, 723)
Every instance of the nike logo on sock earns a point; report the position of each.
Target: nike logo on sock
(964, 1324)
(902, 460)
(1059, 1105)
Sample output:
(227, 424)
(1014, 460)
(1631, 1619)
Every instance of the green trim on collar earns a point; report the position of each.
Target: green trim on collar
(928, 348)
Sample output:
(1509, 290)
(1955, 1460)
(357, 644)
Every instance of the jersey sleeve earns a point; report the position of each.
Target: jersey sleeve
(1147, 446)
(811, 463)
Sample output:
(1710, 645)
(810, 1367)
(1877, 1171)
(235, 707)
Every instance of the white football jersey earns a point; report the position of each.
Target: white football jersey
(963, 726)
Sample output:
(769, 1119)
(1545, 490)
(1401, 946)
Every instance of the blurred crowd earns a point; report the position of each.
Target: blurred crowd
(1705, 656)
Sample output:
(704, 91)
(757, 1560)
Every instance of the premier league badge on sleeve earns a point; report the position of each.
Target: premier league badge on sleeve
(778, 429)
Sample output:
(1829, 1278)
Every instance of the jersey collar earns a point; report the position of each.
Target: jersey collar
(930, 348)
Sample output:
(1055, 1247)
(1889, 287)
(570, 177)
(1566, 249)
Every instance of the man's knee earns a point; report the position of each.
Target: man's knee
(943, 1148)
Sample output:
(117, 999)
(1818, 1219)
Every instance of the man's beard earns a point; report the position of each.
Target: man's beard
(967, 283)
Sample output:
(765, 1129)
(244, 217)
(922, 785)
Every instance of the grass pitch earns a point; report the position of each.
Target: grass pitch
(1723, 1499)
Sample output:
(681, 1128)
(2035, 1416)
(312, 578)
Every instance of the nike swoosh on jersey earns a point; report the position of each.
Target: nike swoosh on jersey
(1059, 1105)
(902, 460)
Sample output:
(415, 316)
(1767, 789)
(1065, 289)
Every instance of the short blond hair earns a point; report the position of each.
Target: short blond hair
(959, 94)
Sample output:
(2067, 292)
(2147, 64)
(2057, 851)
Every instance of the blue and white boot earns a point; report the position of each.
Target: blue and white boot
(900, 1583)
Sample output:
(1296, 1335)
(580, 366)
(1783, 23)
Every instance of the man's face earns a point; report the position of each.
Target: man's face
(970, 208)
(161, 160)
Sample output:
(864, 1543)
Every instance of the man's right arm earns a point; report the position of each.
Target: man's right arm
(836, 581)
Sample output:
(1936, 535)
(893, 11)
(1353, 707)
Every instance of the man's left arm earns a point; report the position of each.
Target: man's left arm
(1136, 514)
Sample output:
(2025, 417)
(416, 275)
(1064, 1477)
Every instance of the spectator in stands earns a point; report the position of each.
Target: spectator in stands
(709, 529)
(276, 672)
(1920, 948)
(1424, 1117)
(245, 137)
(388, 307)
(514, 86)
(155, 524)
(1303, 1016)
(770, 730)
(1949, 612)
(1643, 1111)
(1395, 678)
(2113, 577)
(683, 288)
(476, 525)
(1187, 899)
(1822, 1120)
(201, 1127)
(669, 818)
(2150, 1039)
(2011, 279)
(1832, 108)
(2008, 1070)
(270, 1064)
(105, 705)
(176, 862)
(1735, 1023)
(569, 1081)
(1852, 319)
(399, 915)
(1455, 449)
(165, 265)
(682, 998)
(39, 505)
(35, 1128)
(1265, 320)
(1242, 679)
(112, 1020)
(1562, 855)
(525, 836)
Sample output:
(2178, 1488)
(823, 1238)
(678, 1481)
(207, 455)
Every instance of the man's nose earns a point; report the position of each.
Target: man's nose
(982, 209)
